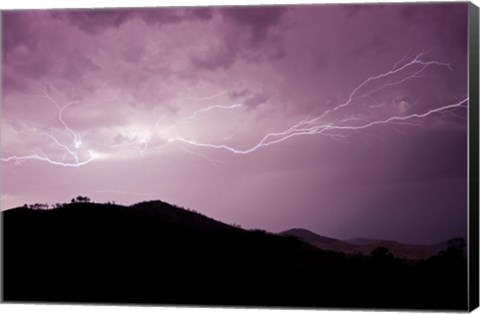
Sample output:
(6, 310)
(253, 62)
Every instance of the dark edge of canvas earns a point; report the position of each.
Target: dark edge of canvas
(473, 217)
(1, 183)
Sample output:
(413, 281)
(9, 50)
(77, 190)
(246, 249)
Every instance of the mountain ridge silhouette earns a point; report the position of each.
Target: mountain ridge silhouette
(156, 253)
(366, 246)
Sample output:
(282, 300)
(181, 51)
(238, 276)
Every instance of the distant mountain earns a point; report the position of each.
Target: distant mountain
(322, 242)
(157, 253)
(362, 241)
(433, 248)
(366, 246)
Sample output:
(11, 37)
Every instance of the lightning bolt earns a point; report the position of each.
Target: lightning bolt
(322, 129)
(77, 139)
(36, 156)
(194, 115)
(68, 149)
(65, 147)
(144, 142)
(313, 126)
(334, 126)
(210, 97)
(460, 104)
(396, 69)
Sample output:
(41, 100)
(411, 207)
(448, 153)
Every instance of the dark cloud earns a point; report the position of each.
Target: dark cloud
(218, 56)
(353, 10)
(248, 98)
(201, 13)
(376, 45)
(444, 19)
(76, 67)
(245, 36)
(93, 21)
(257, 19)
(169, 15)
(17, 30)
(256, 100)
(236, 95)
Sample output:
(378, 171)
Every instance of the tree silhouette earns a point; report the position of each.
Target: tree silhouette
(38, 206)
(381, 252)
(456, 247)
(82, 199)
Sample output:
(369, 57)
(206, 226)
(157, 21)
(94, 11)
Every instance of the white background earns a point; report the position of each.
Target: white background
(70, 309)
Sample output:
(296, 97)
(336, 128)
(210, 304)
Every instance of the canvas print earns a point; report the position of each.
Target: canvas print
(310, 156)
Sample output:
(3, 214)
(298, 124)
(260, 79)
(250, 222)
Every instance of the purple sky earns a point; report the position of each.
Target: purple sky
(348, 120)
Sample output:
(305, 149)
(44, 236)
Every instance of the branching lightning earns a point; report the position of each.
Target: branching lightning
(77, 139)
(318, 126)
(71, 149)
(36, 156)
(334, 122)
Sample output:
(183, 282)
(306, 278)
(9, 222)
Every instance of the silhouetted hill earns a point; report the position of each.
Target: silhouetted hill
(366, 246)
(181, 217)
(322, 242)
(156, 253)
(362, 241)
(309, 236)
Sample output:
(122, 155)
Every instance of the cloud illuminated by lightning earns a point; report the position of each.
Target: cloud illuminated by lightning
(71, 149)
(316, 125)
(322, 129)
(325, 124)
(36, 156)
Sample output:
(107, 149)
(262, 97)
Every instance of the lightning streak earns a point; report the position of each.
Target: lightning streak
(203, 98)
(323, 124)
(194, 115)
(65, 147)
(144, 141)
(416, 61)
(36, 156)
(397, 69)
(77, 139)
(68, 149)
(322, 129)
(460, 104)
(315, 126)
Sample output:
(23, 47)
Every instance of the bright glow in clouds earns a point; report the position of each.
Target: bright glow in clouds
(246, 114)
(315, 126)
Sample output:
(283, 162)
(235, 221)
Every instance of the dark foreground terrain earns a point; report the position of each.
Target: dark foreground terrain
(155, 253)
